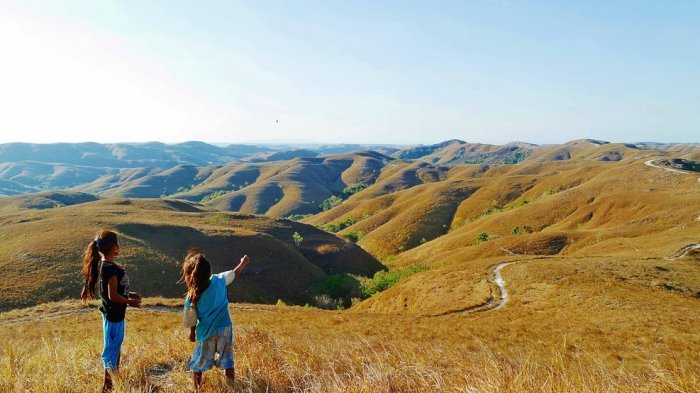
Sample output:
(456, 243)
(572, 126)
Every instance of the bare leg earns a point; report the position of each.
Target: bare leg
(107, 387)
(230, 376)
(197, 378)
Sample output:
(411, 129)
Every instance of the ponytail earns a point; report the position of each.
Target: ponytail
(91, 265)
(103, 244)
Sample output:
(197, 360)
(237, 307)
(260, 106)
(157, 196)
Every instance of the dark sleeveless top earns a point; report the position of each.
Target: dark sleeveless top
(114, 312)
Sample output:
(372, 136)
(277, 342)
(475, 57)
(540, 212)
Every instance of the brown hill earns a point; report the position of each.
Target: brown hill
(618, 210)
(298, 186)
(277, 189)
(590, 150)
(531, 208)
(148, 182)
(40, 250)
(457, 152)
(44, 200)
(34, 176)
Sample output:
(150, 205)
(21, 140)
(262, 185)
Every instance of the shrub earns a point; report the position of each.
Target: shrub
(297, 238)
(354, 236)
(336, 200)
(327, 303)
(185, 189)
(213, 195)
(298, 217)
(341, 225)
(219, 218)
(344, 290)
(386, 278)
(482, 237)
(353, 189)
(330, 203)
(280, 303)
(340, 286)
(491, 210)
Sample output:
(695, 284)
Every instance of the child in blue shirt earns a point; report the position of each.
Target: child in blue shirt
(206, 315)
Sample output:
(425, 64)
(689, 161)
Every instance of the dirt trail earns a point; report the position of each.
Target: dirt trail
(46, 316)
(651, 164)
(501, 284)
(493, 302)
(684, 251)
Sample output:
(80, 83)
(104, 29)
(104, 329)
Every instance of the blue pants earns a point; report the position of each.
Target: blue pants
(113, 338)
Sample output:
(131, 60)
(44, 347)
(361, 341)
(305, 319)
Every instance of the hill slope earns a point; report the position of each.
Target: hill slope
(40, 250)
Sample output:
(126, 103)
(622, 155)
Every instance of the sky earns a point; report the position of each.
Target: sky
(398, 72)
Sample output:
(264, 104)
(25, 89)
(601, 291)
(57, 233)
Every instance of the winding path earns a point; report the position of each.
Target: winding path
(501, 284)
(674, 170)
(493, 302)
(80, 310)
(684, 251)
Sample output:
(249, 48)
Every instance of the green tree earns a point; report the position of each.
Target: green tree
(331, 202)
(297, 238)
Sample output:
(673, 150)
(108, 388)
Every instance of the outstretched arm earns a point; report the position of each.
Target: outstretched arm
(231, 274)
(244, 262)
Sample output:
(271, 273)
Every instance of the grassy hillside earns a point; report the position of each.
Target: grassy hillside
(292, 187)
(125, 155)
(44, 200)
(40, 250)
(535, 208)
(39, 175)
(457, 152)
(149, 182)
(629, 215)
(575, 270)
(571, 324)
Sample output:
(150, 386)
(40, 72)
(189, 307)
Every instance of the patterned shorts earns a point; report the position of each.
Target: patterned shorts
(205, 352)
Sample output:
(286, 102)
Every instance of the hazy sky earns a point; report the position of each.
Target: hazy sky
(349, 71)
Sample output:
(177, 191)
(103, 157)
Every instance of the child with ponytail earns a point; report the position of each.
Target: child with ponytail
(99, 267)
(207, 317)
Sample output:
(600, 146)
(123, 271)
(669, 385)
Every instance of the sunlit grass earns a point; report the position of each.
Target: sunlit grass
(293, 349)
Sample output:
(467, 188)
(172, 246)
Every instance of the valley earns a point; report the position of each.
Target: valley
(450, 267)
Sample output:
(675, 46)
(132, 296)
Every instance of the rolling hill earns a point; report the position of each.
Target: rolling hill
(457, 152)
(574, 270)
(580, 199)
(41, 247)
(567, 211)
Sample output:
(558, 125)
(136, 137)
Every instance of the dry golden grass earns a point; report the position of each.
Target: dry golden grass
(525, 346)
(595, 303)
(593, 324)
(571, 207)
(41, 250)
(297, 186)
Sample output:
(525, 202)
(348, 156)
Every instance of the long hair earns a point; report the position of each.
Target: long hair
(103, 243)
(196, 273)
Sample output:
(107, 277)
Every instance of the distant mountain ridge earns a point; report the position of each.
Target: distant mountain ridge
(284, 183)
(581, 198)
